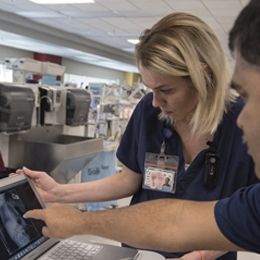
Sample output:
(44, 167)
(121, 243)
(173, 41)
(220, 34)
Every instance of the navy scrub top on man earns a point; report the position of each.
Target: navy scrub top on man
(144, 133)
(238, 218)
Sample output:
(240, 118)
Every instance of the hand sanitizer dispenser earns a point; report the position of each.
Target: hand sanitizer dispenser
(53, 105)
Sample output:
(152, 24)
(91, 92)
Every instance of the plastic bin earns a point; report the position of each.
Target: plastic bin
(102, 166)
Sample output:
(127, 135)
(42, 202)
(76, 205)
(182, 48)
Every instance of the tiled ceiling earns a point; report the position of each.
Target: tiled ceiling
(104, 26)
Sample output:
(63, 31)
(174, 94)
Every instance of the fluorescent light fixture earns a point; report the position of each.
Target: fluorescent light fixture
(133, 41)
(49, 2)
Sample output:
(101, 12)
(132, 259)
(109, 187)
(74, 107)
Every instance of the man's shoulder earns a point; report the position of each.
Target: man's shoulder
(238, 217)
(248, 197)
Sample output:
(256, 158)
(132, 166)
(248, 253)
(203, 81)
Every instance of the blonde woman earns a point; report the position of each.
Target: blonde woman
(185, 130)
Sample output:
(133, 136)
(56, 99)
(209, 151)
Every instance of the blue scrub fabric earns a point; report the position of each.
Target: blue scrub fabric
(144, 134)
(238, 218)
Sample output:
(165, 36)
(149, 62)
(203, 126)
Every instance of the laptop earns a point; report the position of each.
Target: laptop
(23, 239)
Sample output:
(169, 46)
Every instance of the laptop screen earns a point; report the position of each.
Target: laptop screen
(18, 236)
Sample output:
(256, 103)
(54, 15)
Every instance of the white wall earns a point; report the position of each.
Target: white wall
(7, 52)
(79, 68)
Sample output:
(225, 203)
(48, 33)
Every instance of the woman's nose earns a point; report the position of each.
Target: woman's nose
(240, 119)
(157, 100)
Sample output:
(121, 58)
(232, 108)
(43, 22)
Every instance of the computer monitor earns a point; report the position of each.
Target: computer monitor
(96, 88)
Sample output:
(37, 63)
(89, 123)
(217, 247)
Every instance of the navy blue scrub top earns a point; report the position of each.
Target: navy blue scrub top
(144, 134)
(238, 218)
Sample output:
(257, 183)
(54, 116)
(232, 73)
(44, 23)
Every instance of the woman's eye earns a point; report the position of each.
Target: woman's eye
(166, 91)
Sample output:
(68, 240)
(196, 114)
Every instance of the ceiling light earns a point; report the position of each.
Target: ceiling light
(49, 2)
(117, 13)
(133, 41)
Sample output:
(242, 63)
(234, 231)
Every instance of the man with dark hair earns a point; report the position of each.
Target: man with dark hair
(179, 225)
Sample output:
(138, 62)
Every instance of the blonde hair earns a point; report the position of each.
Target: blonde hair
(181, 44)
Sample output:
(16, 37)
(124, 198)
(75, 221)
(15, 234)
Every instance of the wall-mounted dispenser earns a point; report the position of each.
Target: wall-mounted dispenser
(56, 115)
(16, 107)
(77, 107)
(52, 105)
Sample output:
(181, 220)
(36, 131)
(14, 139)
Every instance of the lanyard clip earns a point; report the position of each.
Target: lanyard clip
(162, 148)
(161, 158)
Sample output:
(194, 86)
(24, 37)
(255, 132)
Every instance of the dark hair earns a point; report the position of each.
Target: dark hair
(245, 34)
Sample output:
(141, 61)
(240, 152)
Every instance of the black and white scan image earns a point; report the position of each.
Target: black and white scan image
(15, 231)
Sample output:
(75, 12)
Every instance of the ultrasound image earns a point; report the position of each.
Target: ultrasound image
(15, 231)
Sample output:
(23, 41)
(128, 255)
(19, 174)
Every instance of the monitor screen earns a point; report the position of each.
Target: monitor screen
(18, 236)
(96, 88)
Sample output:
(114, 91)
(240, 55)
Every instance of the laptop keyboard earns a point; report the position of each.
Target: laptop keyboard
(73, 250)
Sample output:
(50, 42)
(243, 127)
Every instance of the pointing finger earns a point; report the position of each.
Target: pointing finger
(36, 214)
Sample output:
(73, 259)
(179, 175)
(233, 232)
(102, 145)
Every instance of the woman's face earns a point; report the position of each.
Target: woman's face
(175, 96)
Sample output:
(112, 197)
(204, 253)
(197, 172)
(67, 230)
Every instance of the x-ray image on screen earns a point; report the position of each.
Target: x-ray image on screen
(15, 231)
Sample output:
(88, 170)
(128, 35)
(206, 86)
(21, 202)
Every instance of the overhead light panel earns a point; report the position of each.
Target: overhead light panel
(49, 2)
(133, 41)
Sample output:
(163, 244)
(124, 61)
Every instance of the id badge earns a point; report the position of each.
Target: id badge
(160, 172)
